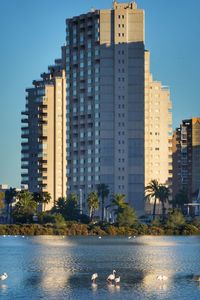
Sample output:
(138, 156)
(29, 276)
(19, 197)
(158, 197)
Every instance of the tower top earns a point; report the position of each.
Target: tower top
(131, 4)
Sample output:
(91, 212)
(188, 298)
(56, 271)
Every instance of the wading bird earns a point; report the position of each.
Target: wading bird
(4, 276)
(111, 277)
(94, 277)
(117, 280)
(161, 277)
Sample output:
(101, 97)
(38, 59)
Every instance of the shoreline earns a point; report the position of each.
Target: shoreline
(77, 229)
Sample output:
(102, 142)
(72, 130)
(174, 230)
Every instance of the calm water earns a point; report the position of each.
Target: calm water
(60, 268)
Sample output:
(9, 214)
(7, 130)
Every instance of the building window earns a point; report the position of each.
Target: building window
(81, 54)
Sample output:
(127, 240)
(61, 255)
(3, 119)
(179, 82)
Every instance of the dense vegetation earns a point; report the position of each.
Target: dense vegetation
(175, 224)
(65, 218)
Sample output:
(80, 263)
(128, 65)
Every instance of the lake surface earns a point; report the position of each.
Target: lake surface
(49, 267)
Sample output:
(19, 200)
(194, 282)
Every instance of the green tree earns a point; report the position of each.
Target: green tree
(60, 205)
(152, 191)
(175, 218)
(68, 207)
(163, 195)
(42, 198)
(93, 204)
(180, 199)
(10, 196)
(127, 217)
(103, 192)
(59, 220)
(2, 196)
(25, 208)
(118, 201)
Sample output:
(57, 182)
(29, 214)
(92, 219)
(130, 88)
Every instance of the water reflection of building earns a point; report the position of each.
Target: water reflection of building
(56, 266)
(156, 258)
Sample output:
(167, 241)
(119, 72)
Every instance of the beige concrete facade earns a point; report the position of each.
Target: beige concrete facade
(44, 135)
(158, 130)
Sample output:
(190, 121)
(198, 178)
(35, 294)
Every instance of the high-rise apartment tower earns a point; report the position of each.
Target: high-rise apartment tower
(105, 102)
(43, 157)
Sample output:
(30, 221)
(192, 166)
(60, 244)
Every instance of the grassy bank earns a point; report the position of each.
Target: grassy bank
(73, 229)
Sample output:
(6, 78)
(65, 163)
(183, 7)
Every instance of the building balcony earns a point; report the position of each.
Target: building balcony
(25, 151)
(25, 113)
(43, 122)
(42, 169)
(42, 160)
(42, 109)
(23, 159)
(24, 167)
(42, 115)
(24, 120)
(26, 182)
(24, 128)
(25, 135)
(42, 137)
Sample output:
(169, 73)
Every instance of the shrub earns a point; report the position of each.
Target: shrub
(190, 229)
(142, 229)
(175, 219)
(154, 230)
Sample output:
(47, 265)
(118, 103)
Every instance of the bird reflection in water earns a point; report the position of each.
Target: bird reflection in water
(3, 287)
(112, 288)
(162, 287)
(94, 286)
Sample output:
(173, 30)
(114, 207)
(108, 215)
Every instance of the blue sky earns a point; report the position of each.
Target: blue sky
(33, 31)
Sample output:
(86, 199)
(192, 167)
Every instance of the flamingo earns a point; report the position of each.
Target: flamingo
(94, 277)
(111, 277)
(196, 277)
(117, 280)
(162, 277)
(4, 276)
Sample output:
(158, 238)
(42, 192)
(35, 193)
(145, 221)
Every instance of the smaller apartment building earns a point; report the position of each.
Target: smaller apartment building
(186, 158)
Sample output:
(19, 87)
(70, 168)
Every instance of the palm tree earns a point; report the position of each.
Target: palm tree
(180, 199)
(119, 201)
(103, 192)
(93, 204)
(152, 191)
(25, 207)
(10, 194)
(46, 198)
(163, 195)
(42, 198)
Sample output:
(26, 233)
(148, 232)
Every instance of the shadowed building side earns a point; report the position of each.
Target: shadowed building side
(105, 102)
